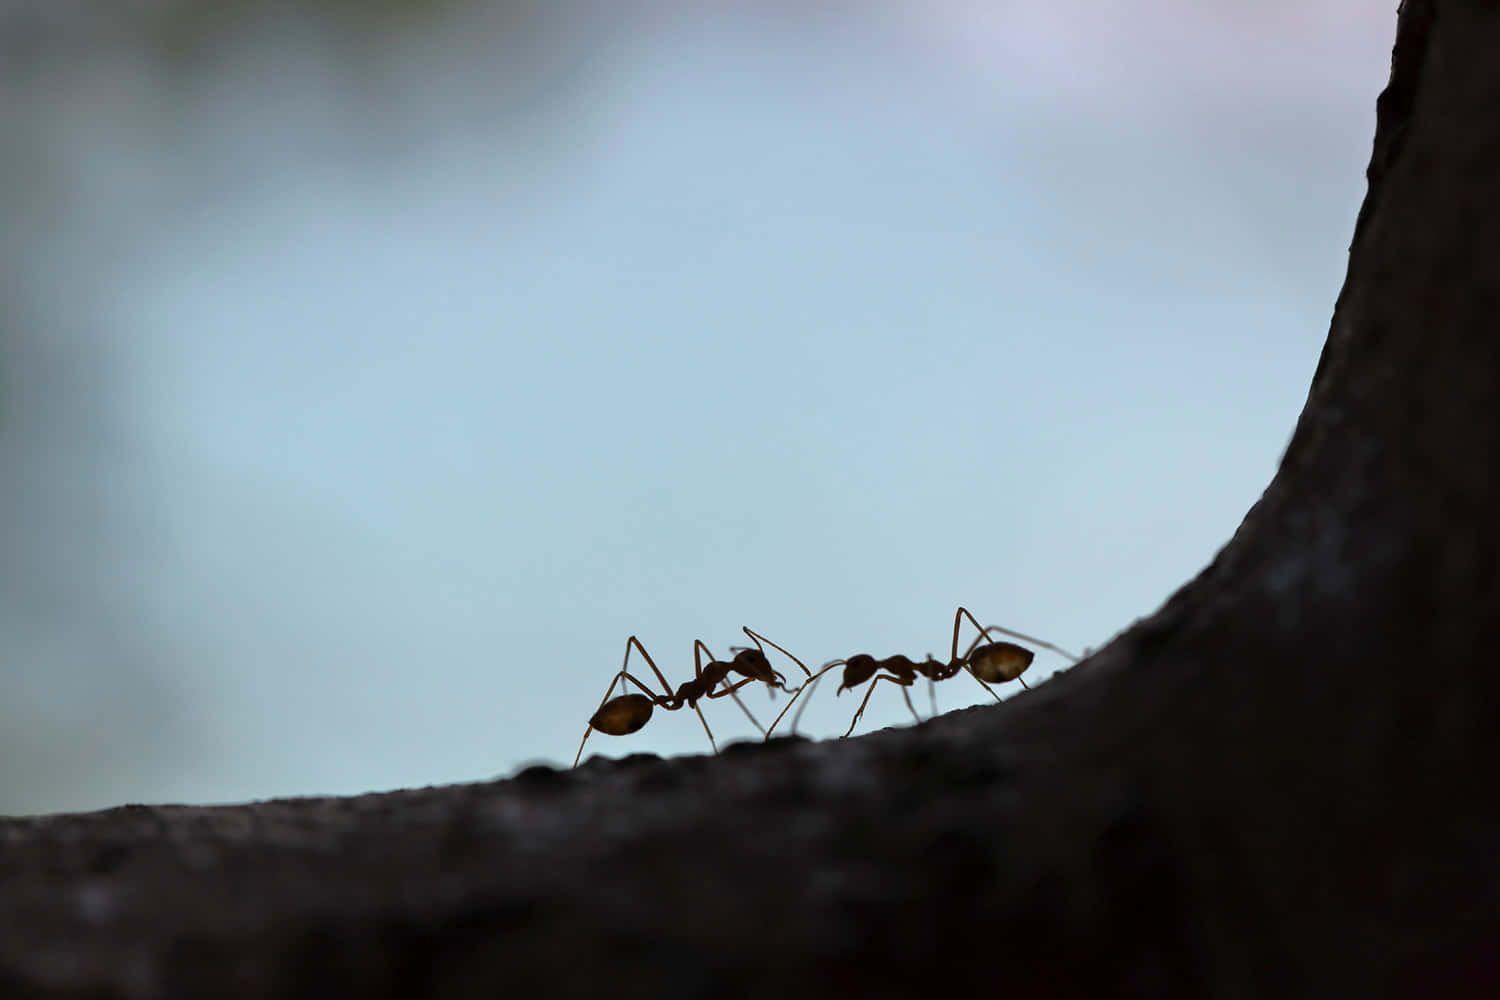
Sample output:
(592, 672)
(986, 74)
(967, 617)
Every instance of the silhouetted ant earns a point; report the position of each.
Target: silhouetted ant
(987, 662)
(627, 713)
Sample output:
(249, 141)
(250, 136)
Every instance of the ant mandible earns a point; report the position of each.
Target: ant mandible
(987, 662)
(627, 713)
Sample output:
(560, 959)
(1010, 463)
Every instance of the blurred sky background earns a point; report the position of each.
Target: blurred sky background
(369, 372)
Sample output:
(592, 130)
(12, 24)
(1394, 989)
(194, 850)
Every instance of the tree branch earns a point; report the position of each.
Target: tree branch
(1284, 780)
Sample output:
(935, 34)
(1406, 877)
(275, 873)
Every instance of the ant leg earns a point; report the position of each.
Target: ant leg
(984, 635)
(909, 705)
(975, 645)
(1025, 638)
(932, 696)
(869, 691)
(811, 682)
(970, 671)
(985, 630)
(729, 690)
(958, 618)
(855, 721)
(633, 641)
(1033, 640)
(589, 730)
(712, 745)
(698, 650)
(620, 679)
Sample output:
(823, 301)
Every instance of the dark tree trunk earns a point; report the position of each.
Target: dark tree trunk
(1285, 780)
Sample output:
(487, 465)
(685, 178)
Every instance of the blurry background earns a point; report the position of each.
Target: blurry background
(370, 371)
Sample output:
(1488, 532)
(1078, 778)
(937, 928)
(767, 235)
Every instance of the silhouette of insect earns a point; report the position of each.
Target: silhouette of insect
(627, 713)
(988, 662)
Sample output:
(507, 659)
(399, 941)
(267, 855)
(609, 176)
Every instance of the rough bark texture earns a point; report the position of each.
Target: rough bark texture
(1285, 780)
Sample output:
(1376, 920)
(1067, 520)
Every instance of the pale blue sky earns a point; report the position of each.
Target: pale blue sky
(428, 402)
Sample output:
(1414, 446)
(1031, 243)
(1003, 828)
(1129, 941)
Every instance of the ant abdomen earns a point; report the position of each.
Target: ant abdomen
(997, 662)
(622, 715)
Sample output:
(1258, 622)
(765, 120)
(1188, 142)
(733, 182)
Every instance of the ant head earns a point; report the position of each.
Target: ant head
(753, 663)
(997, 662)
(857, 669)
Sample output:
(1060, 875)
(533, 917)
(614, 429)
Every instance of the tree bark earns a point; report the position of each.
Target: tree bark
(1284, 780)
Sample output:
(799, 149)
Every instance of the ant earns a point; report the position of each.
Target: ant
(627, 713)
(988, 662)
